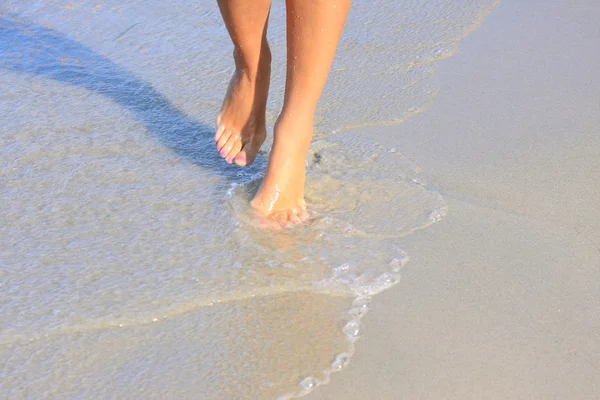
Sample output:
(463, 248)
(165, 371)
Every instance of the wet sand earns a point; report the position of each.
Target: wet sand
(121, 286)
(501, 299)
(128, 256)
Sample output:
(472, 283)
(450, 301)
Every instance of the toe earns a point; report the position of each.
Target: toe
(220, 130)
(241, 159)
(245, 156)
(222, 140)
(235, 150)
(281, 218)
(294, 218)
(303, 215)
(233, 139)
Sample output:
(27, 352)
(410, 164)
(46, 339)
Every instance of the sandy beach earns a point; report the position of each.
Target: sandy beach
(128, 269)
(501, 298)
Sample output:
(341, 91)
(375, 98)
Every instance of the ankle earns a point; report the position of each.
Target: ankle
(253, 65)
(296, 120)
(294, 131)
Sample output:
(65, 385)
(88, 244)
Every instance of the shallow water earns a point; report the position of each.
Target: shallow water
(128, 260)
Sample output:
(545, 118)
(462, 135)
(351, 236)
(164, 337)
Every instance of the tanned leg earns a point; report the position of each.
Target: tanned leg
(314, 28)
(241, 123)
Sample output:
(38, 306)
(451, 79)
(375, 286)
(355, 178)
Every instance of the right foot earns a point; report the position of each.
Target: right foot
(241, 124)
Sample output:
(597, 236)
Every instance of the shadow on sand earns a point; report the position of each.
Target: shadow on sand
(32, 49)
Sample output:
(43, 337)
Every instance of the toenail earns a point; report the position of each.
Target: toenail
(241, 158)
(223, 152)
(229, 160)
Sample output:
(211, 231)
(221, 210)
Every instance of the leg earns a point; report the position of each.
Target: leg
(314, 28)
(241, 123)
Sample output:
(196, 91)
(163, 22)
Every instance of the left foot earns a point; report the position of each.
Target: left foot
(280, 197)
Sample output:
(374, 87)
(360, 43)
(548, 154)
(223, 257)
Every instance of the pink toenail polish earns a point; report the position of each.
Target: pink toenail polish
(241, 158)
(223, 153)
(229, 160)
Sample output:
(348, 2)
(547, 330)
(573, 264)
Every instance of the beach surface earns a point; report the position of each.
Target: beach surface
(130, 261)
(501, 299)
(469, 231)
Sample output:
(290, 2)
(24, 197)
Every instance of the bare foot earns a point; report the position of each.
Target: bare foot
(280, 197)
(241, 124)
